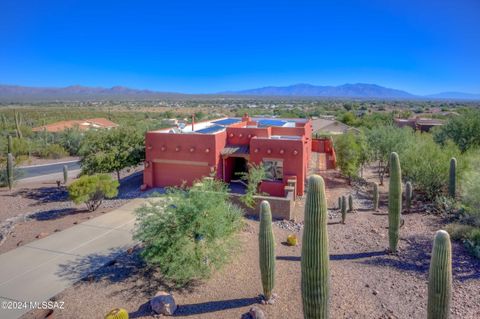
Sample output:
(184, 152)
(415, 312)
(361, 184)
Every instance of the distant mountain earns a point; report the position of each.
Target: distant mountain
(76, 92)
(455, 96)
(16, 93)
(358, 90)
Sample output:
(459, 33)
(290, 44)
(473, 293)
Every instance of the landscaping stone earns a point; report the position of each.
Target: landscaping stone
(163, 303)
(256, 313)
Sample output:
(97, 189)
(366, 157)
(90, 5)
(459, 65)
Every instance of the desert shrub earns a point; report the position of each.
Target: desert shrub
(111, 151)
(352, 153)
(21, 146)
(470, 191)
(92, 190)
(52, 151)
(426, 164)
(384, 140)
(71, 140)
(189, 233)
(464, 130)
(254, 176)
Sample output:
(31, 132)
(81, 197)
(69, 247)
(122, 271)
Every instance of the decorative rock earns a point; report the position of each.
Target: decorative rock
(163, 303)
(256, 313)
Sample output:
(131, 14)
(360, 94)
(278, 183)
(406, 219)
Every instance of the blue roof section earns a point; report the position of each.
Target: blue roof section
(226, 122)
(265, 123)
(211, 129)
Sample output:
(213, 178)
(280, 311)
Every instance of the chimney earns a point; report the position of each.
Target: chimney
(246, 118)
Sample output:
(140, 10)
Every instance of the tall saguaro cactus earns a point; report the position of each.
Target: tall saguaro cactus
(440, 277)
(315, 269)
(344, 209)
(340, 202)
(65, 174)
(408, 195)
(10, 171)
(452, 180)
(9, 144)
(18, 121)
(350, 203)
(266, 243)
(376, 196)
(394, 201)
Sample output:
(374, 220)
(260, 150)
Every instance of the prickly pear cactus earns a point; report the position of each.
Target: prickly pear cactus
(315, 260)
(440, 277)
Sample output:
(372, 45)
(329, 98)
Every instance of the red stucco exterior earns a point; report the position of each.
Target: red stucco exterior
(175, 158)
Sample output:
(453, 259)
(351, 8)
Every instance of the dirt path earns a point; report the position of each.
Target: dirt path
(365, 281)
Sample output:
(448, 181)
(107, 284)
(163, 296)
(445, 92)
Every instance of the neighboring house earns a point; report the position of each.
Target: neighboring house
(224, 148)
(330, 126)
(82, 125)
(419, 123)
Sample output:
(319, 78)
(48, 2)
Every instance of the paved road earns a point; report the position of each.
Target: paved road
(46, 169)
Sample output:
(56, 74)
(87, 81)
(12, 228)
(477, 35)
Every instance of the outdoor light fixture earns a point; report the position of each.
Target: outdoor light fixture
(177, 149)
(269, 151)
(147, 164)
(282, 151)
(256, 150)
(249, 135)
(163, 148)
(231, 134)
(192, 149)
(295, 152)
(207, 150)
(149, 147)
(240, 135)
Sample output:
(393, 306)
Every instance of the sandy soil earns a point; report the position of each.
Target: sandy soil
(35, 210)
(366, 282)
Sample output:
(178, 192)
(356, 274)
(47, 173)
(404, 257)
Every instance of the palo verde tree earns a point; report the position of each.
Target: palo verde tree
(112, 150)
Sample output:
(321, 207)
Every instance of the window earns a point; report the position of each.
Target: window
(273, 169)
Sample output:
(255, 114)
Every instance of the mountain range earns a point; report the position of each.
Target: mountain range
(15, 93)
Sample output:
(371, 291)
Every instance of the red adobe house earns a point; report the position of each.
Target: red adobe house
(225, 147)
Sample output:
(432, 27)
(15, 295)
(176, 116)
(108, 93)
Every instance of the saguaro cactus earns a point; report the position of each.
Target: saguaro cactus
(408, 195)
(376, 196)
(266, 243)
(9, 144)
(344, 209)
(394, 201)
(340, 202)
(65, 174)
(315, 270)
(452, 180)
(18, 121)
(440, 277)
(10, 171)
(350, 203)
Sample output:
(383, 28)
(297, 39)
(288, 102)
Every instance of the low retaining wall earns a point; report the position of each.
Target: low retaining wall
(282, 207)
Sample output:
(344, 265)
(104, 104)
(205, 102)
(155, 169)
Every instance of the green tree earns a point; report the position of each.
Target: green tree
(189, 233)
(92, 190)
(349, 153)
(463, 130)
(111, 151)
(384, 140)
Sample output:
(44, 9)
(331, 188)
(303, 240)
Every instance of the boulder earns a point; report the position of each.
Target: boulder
(256, 313)
(163, 303)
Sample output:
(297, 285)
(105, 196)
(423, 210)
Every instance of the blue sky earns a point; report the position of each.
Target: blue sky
(421, 46)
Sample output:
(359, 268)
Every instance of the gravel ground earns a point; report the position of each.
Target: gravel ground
(365, 281)
(36, 210)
